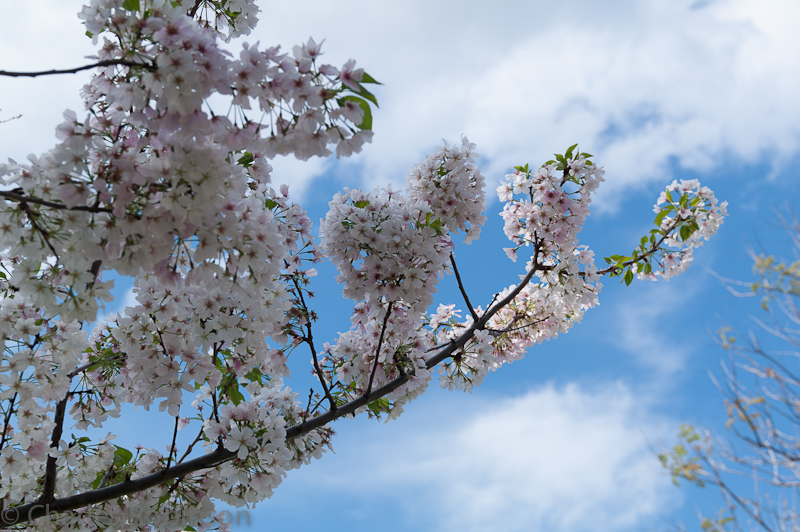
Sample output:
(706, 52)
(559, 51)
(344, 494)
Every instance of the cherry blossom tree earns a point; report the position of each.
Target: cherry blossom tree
(761, 390)
(151, 181)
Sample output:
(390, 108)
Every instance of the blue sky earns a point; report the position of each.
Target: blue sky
(565, 439)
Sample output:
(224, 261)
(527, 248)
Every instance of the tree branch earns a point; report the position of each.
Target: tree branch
(193, 10)
(309, 339)
(463, 290)
(26, 512)
(104, 63)
(15, 196)
(378, 350)
(653, 248)
(50, 468)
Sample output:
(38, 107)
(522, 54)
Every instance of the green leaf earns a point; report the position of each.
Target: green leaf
(164, 498)
(686, 232)
(366, 122)
(246, 160)
(271, 204)
(569, 151)
(234, 393)
(628, 277)
(122, 456)
(366, 78)
(254, 375)
(660, 217)
(368, 95)
(361, 204)
(379, 406)
(436, 225)
(131, 5)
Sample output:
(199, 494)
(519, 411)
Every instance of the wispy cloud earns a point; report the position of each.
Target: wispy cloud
(557, 458)
(644, 323)
(644, 85)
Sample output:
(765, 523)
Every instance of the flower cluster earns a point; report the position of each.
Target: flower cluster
(392, 248)
(687, 214)
(451, 184)
(385, 247)
(154, 184)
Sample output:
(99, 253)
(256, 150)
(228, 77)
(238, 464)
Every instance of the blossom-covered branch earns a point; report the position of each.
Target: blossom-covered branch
(156, 183)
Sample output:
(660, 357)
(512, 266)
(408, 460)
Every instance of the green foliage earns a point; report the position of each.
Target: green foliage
(563, 161)
(379, 406)
(775, 277)
(366, 121)
(717, 525)
(680, 462)
(246, 160)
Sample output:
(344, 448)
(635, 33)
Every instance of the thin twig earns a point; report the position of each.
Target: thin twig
(378, 350)
(308, 406)
(7, 422)
(309, 339)
(191, 446)
(655, 247)
(193, 10)
(106, 477)
(172, 447)
(463, 290)
(104, 63)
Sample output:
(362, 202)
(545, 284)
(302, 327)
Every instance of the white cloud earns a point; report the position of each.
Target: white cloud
(39, 35)
(644, 321)
(643, 85)
(567, 459)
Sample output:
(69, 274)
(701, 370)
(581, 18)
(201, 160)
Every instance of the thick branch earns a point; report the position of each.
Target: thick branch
(104, 63)
(50, 468)
(26, 512)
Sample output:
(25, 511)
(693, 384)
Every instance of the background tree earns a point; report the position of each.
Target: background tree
(157, 183)
(757, 469)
